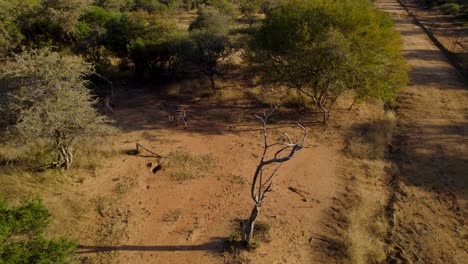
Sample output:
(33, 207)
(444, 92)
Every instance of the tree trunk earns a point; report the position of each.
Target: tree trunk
(325, 113)
(249, 229)
(213, 84)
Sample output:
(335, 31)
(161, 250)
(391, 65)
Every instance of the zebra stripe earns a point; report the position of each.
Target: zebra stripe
(174, 112)
(105, 102)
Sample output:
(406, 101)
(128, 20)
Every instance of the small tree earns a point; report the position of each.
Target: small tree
(210, 48)
(209, 33)
(274, 154)
(324, 48)
(43, 96)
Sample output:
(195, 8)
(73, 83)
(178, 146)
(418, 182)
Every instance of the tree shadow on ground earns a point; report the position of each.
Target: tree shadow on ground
(215, 245)
(436, 159)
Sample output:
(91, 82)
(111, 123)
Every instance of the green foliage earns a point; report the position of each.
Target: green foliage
(43, 96)
(54, 22)
(158, 48)
(208, 34)
(449, 9)
(116, 5)
(323, 48)
(11, 13)
(21, 236)
(249, 9)
(211, 47)
(211, 19)
(224, 6)
(155, 6)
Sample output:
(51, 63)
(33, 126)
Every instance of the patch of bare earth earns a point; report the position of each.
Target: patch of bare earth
(430, 206)
(169, 220)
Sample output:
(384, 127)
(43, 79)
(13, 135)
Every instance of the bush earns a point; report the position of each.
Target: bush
(21, 236)
(211, 19)
(449, 9)
(224, 6)
(158, 49)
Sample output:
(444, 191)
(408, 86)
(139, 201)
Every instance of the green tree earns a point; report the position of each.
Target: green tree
(210, 18)
(43, 96)
(159, 49)
(209, 33)
(249, 9)
(54, 22)
(211, 47)
(324, 48)
(21, 236)
(11, 14)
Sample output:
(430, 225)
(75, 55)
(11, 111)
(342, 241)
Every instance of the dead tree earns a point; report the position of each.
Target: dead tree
(274, 154)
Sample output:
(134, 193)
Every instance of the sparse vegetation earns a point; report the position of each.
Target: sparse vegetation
(183, 166)
(172, 216)
(375, 140)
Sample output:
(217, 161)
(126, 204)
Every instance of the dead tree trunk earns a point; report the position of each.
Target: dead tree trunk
(284, 151)
(65, 149)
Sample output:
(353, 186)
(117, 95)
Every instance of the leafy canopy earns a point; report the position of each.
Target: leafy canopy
(21, 236)
(324, 48)
(43, 95)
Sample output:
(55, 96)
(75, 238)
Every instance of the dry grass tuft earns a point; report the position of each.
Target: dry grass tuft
(368, 228)
(374, 142)
(172, 216)
(290, 99)
(183, 166)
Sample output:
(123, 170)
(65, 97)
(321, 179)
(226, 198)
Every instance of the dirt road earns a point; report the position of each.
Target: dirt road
(431, 203)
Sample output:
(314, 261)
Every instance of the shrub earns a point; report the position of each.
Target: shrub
(211, 19)
(449, 9)
(21, 236)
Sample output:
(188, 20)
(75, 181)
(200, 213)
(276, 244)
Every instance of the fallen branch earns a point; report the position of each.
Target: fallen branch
(138, 145)
(299, 192)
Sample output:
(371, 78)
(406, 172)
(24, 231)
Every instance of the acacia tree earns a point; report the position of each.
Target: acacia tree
(324, 48)
(274, 155)
(43, 96)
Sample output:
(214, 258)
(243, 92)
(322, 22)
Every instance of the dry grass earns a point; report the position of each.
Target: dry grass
(172, 216)
(374, 142)
(183, 166)
(364, 206)
(290, 98)
(368, 225)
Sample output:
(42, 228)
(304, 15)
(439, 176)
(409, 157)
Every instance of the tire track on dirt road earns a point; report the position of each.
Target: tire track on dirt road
(431, 203)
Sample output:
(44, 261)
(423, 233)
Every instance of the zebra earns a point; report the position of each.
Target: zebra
(105, 102)
(174, 112)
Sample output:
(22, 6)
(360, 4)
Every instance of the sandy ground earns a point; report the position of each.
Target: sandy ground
(212, 205)
(431, 206)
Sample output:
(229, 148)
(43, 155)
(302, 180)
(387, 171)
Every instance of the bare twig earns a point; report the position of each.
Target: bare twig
(138, 145)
